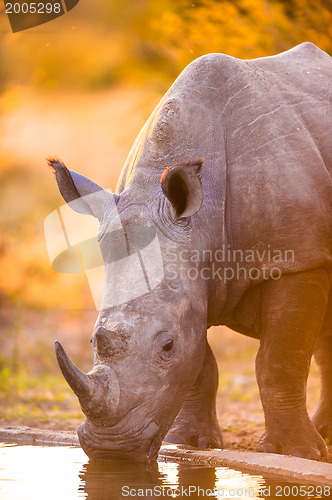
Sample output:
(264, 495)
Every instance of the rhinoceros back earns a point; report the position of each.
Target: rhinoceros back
(280, 158)
(263, 128)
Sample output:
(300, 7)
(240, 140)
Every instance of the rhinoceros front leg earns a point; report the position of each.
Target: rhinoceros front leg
(196, 423)
(293, 309)
(323, 355)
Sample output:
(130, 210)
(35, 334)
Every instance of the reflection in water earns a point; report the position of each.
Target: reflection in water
(108, 480)
(229, 481)
(47, 473)
(169, 473)
(103, 479)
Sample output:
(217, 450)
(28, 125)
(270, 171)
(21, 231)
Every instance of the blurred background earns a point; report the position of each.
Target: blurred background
(81, 87)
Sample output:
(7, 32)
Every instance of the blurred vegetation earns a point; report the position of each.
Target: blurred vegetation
(81, 86)
(96, 47)
(104, 43)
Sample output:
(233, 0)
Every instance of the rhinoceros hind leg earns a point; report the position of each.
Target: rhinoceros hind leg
(196, 423)
(322, 418)
(292, 314)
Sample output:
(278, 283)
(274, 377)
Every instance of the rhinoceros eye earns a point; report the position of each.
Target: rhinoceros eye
(168, 346)
(167, 350)
(165, 345)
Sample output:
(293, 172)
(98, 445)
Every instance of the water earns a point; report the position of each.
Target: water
(65, 473)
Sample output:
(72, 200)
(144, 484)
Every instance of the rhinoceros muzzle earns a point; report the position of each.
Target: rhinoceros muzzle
(103, 435)
(117, 443)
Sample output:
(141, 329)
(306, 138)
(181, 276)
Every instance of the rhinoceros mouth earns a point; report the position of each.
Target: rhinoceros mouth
(155, 446)
(104, 443)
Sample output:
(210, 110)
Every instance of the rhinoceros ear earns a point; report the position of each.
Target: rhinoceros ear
(181, 184)
(83, 195)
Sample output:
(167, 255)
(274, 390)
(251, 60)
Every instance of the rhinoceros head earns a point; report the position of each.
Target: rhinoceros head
(149, 345)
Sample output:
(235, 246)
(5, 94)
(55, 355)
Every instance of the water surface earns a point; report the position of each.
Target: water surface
(65, 473)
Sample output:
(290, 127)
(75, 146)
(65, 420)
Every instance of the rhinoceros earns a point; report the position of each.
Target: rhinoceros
(233, 173)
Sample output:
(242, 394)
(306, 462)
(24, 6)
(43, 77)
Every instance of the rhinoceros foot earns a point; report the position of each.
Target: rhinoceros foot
(301, 444)
(195, 434)
(206, 441)
(322, 420)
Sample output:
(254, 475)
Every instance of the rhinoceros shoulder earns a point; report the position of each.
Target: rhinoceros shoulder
(207, 73)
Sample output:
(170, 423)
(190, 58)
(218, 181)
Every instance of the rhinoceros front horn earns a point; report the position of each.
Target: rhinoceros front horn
(80, 383)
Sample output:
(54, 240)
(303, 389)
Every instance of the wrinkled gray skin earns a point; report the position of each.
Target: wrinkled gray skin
(263, 130)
